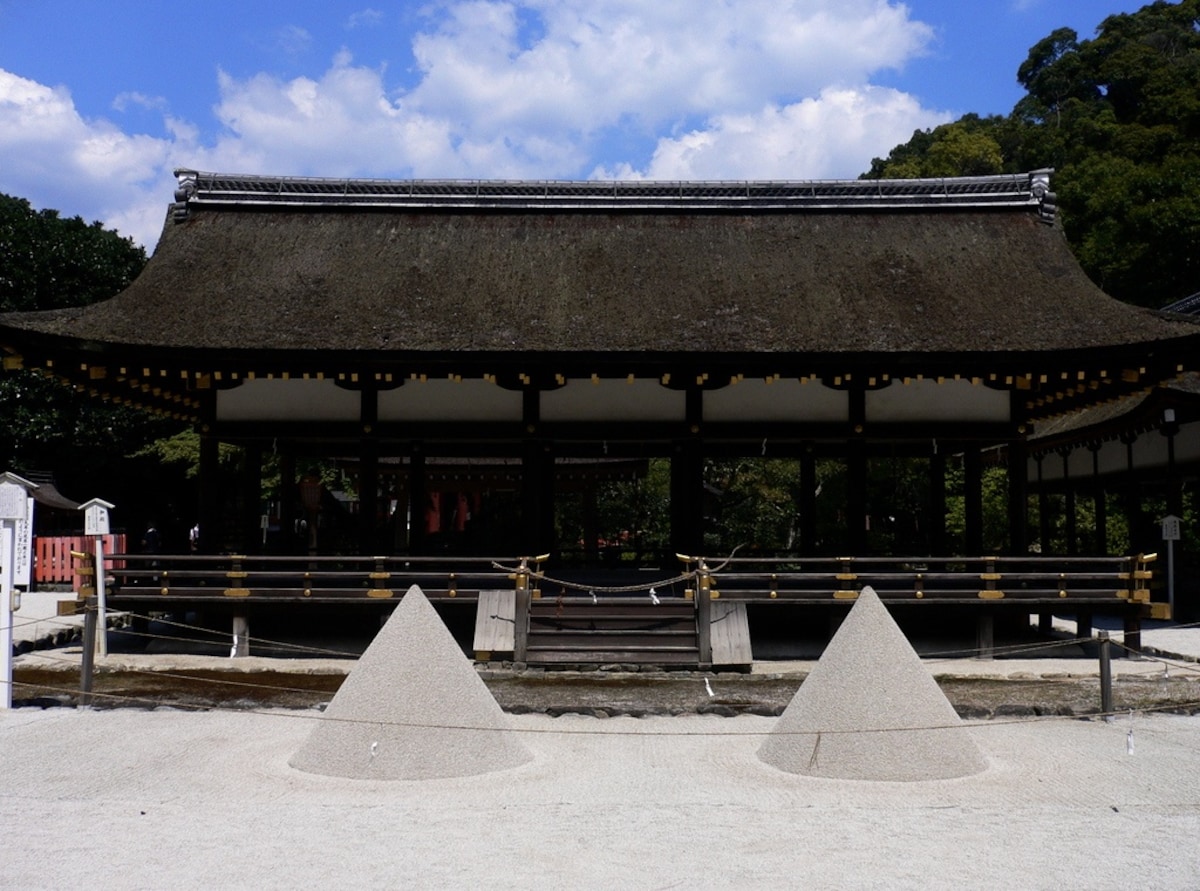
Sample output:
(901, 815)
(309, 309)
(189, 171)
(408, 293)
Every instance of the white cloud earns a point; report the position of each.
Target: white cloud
(125, 101)
(364, 18)
(54, 158)
(293, 40)
(833, 136)
(599, 62)
(514, 88)
(497, 98)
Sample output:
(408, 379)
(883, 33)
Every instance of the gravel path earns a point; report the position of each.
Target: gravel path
(135, 799)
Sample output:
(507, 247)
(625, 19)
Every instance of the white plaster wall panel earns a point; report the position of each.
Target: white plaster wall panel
(614, 400)
(1112, 457)
(1112, 460)
(288, 400)
(783, 400)
(1031, 471)
(1150, 450)
(447, 400)
(1079, 464)
(927, 400)
(1187, 443)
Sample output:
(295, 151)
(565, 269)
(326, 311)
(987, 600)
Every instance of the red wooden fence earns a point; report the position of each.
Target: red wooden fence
(54, 563)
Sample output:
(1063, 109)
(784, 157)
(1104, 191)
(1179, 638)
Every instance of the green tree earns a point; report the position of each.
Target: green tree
(50, 262)
(1118, 118)
(971, 146)
(1055, 78)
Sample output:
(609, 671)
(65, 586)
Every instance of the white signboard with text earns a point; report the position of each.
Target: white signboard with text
(14, 501)
(22, 559)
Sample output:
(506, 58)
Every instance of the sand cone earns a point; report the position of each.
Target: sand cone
(412, 708)
(871, 711)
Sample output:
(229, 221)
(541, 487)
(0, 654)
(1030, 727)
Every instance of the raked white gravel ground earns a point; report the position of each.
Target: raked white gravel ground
(171, 799)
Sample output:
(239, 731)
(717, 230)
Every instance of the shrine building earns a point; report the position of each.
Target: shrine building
(526, 328)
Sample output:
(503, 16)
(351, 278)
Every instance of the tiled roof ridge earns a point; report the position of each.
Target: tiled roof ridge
(1030, 190)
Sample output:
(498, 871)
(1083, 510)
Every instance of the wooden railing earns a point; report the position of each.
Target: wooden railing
(316, 579)
(1066, 580)
(1114, 582)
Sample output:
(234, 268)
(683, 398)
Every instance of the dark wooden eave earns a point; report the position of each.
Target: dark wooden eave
(1131, 416)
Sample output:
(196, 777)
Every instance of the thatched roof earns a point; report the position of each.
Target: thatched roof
(253, 264)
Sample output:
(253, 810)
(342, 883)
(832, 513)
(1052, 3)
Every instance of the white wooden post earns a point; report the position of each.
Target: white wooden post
(95, 522)
(101, 599)
(6, 612)
(1171, 534)
(14, 510)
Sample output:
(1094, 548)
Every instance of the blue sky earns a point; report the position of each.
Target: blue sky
(101, 99)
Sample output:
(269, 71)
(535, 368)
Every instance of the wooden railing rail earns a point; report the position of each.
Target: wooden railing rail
(1094, 580)
(315, 578)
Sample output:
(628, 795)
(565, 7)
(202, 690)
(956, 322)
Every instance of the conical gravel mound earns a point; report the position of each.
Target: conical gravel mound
(413, 708)
(870, 711)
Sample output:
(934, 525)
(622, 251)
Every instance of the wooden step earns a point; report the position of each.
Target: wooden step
(685, 610)
(632, 656)
(590, 639)
(622, 623)
(633, 630)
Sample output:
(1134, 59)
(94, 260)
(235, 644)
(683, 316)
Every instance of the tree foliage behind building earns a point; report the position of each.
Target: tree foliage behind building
(1118, 118)
(52, 262)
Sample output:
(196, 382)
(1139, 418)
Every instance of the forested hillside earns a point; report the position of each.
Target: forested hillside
(1118, 117)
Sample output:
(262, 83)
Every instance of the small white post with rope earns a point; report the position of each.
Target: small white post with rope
(95, 523)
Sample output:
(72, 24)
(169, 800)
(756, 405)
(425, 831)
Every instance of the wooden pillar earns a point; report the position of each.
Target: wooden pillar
(973, 498)
(1043, 510)
(241, 636)
(1174, 482)
(856, 475)
(418, 496)
(1133, 631)
(704, 618)
(1018, 497)
(88, 655)
(591, 522)
(537, 496)
(521, 607)
(687, 497)
(1099, 503)
(985, 635)
(938, 542)
(1071, 521)
(1133, 500)
(368, 473)
(856, 497)
(368, 495)
(251, 520)
(808, 501)
(209, 508)
(1083, 624)
(537, 479)
(289, 503)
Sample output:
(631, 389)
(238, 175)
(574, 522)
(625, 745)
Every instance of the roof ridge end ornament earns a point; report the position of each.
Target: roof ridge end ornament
(1039, 188)
(183, 192)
